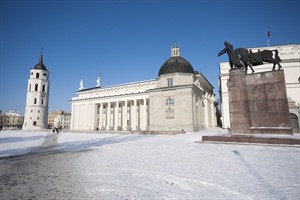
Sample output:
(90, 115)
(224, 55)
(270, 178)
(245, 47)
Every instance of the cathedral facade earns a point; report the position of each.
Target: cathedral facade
(179, 99)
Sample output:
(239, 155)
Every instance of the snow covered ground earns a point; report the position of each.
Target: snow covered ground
(46, 165)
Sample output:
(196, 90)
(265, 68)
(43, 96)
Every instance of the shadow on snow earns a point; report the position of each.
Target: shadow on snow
(272, 191)
(20, 139)
(51, 146)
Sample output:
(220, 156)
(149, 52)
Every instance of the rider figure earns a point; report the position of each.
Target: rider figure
(233, 57)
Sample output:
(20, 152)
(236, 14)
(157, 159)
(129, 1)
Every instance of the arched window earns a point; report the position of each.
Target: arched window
(169, 102)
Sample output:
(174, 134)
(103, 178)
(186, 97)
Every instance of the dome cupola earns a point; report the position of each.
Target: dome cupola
(176, 64)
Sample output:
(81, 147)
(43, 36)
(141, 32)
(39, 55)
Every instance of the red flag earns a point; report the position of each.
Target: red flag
(268, 34)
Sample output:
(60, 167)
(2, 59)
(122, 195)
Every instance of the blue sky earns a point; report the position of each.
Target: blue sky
(127, 41)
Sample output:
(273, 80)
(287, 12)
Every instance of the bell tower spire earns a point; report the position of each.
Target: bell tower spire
(41, 58)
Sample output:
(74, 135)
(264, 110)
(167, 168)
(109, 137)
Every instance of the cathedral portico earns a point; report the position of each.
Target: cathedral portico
(117, 114)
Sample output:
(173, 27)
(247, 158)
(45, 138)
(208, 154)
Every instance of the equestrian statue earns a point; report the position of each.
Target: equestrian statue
(242, 58)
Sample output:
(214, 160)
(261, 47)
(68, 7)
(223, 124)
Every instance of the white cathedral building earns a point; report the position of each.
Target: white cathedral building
(36, 111)
(178, 99)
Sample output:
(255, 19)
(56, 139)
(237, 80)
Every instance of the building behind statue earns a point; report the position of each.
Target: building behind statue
(59, 119)
(178, 99)
(290, 55)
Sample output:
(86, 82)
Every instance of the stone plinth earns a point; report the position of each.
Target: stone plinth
(258, 103)
(238, 104)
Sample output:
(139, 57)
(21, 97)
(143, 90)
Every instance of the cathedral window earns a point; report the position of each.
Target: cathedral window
(170, 82)
(29, 87)
(34, 100)
(36, 87)
(169, 102)
(43, 88)
(37, 75)
(42, 101)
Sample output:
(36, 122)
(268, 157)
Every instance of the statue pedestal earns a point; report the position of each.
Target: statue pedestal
(258, 103)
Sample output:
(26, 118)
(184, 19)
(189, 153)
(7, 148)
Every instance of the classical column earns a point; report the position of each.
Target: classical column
(108, 114)
(125, 116)
(134, 116)
(116, 116)
(101, 116)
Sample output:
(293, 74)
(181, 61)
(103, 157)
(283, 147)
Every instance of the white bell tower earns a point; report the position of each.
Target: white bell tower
(36, 111)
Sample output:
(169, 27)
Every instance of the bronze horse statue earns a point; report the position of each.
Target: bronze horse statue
(253, 59)
(242, 55)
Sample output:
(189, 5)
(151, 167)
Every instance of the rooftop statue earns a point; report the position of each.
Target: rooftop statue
(248, 58)
(98, 82)
(81, 85)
